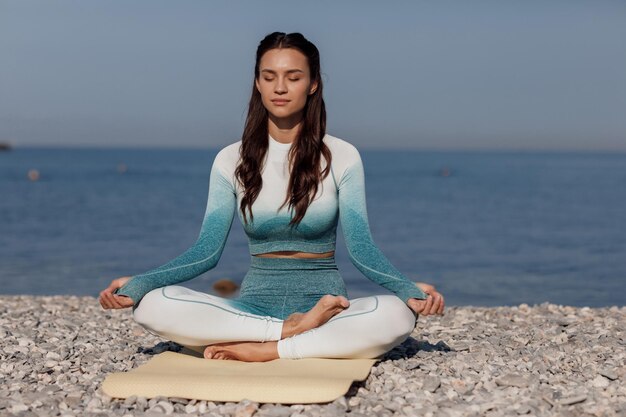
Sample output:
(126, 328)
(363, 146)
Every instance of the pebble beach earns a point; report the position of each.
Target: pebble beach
(539, 360)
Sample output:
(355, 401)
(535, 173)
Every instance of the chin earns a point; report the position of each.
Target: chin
(283, 114)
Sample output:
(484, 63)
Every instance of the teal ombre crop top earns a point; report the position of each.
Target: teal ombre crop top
(340, 197)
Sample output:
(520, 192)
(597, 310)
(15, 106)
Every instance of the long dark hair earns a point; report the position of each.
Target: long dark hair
(308, 147)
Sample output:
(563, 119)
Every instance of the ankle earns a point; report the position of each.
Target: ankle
(289, 329)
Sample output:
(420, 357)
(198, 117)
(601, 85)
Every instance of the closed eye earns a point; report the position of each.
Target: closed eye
(290, 79)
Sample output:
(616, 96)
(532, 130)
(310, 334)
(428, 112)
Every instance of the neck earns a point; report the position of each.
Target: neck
(283, 130)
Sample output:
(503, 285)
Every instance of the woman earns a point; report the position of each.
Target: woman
(290, 183)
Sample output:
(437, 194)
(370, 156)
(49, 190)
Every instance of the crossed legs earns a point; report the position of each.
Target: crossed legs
(368, 328)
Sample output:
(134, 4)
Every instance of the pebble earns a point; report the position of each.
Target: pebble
(354, 402)
(246, 409)
(94, 403)
(573, 399)
(164, 407)
(472, 361)
(16, 408)
(512, 380)
(202, 407)
(461, 386)
(431, 383)
(600, 382)
(73, 399)
(609, 373)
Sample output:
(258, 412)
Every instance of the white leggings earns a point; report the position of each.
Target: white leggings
(368, 328)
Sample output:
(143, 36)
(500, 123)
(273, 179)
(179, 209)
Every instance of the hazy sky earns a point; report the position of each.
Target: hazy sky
(443, 75)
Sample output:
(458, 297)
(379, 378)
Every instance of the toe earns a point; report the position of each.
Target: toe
(327, 300)
(344, 301)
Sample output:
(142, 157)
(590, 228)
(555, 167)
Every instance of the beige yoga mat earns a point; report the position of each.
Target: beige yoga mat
(287, 381)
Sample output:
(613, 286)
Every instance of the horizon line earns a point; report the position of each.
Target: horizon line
(360, 147)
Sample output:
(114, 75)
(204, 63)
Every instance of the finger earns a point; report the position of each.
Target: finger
(117, 301)
(424, 287)
(106, 292)
(429, 303)
(440, 311)
(415, 306)
(104, 302)
(419, 305)
(432, 305)
(102, 299)
(107, 300)
(112, 301)
(436, 303)
(112, 286)
(124, 301)
(419, 285)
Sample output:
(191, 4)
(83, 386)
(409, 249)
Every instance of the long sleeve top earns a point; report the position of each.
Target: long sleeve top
(340, 197)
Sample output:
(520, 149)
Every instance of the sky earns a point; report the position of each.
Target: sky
(449, 75)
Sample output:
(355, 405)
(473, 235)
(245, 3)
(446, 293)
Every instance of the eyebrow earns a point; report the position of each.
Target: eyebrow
(288, 71)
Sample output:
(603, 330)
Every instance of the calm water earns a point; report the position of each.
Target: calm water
(500, 229)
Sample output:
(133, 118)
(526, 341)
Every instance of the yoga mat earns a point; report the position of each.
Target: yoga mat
(188, 375)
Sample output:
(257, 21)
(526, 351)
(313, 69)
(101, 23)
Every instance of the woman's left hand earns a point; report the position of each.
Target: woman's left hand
(434, 304)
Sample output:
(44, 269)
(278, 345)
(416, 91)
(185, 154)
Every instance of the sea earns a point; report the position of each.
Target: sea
(486, 228)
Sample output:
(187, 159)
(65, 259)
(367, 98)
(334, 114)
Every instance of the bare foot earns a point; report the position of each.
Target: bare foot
(291, 325)
(243, 351)
(327, 307)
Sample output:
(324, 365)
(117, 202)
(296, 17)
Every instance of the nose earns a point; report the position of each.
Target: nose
(281, 86)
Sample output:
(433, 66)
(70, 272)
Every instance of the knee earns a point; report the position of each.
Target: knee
(149, 312)
(397, 318)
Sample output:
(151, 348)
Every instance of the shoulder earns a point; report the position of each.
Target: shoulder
(345, 155)
(228, 156)
(341, 148)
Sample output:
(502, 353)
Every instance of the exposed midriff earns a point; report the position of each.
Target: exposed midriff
(294, 254)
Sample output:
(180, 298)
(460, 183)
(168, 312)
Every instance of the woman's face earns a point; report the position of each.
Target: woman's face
(284, 83)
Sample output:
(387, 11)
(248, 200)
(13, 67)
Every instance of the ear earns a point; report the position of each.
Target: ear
(256, 83)
(313, 87)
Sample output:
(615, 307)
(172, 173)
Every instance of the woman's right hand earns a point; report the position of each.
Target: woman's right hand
(109, 300)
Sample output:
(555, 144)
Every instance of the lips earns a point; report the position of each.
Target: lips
(280, 101)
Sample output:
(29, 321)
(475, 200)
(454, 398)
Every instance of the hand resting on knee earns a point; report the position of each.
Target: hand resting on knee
(109, 300)
(434, 304)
